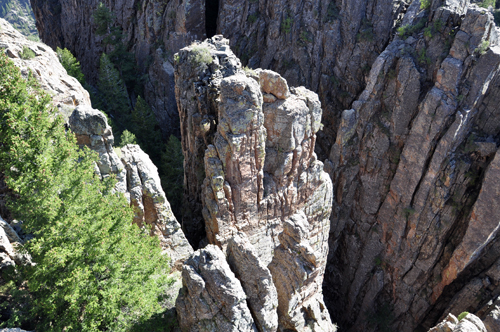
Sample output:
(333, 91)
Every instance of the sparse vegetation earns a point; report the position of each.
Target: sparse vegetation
(462, 315)
(482, 48)
(27, 53)
(332, 12)
(424, 4)
(286, 25)
(200, 55)
(407, 30)
(71, 64)
(252, 18)
(487, 3)
(423, 58)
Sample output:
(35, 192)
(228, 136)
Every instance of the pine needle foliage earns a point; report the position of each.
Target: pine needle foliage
(71, 64)
(94, 270)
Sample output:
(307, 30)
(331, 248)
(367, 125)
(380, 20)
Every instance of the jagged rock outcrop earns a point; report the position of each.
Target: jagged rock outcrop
(136, 175)
(327, 46)
(265, 198)
(468, 323)
(414, 171)
(212, 299)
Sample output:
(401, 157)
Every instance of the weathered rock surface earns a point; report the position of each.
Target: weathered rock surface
(9, 240)
(469, 323)
(265, 198)
(212, 299)
(153, 208)
(136, 175)
(414, 167)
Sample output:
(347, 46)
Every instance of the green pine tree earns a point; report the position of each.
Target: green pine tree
(71, 65)
(95, 270)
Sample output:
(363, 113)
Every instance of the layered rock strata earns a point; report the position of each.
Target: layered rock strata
(414, 167)
(264, 197)
(136, 175)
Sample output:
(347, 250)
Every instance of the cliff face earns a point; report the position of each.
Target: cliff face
(265, 198)
(137, 176)
(414, 169)
(410, 144)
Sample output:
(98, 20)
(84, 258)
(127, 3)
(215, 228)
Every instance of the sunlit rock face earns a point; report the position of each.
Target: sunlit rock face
(264, 197)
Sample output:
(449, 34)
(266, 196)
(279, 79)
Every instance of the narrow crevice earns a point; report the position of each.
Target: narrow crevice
(211, 15)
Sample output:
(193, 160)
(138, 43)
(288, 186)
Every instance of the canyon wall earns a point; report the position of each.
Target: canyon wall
(414, 170)
(411, 125)
(153, 31)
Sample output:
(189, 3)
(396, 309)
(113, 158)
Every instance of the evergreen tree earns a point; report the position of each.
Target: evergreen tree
(103, 18)
(146, 129)
(113, 92)
(71, 65)
(172, 174)
(95, 270)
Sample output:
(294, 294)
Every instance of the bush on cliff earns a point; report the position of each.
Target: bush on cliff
(93, 269)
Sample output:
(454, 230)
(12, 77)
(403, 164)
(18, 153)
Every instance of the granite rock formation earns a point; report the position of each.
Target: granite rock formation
(136, 175)
(414, 167)
(264, 197)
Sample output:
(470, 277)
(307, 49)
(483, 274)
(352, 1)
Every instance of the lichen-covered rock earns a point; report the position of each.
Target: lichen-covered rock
(212, 299)
(260, 170)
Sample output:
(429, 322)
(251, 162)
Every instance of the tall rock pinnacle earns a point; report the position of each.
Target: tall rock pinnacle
(264, 197)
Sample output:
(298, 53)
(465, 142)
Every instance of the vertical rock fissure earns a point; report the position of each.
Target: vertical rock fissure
(211, 16)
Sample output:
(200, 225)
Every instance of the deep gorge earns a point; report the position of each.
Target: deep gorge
(409, 136)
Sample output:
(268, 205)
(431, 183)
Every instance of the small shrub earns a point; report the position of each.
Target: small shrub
(286, 25)
(72, 66)
(423, 58)
(304, 37)
(483, 47)
(332, 12)
(201, 55)
(407, 30)
(462, 315)
(487, 3)
(127, 138)
(408, 212)
(27, 53)
(424, 4)
(428, 32)
(249, 71)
